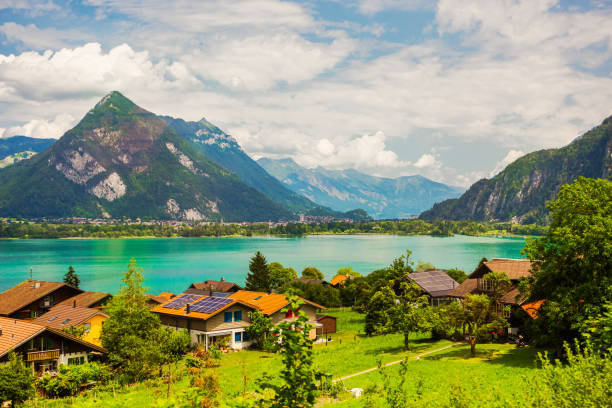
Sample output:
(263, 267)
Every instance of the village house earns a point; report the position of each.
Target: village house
(43, 348)
(436, 284)
(340, 280)
(87, 299)
(221, 286)
(515, 269)
(64, 316)
(222, 318)
(32, 298)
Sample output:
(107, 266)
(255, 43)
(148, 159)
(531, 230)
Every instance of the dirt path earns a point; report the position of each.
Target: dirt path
(394, 362)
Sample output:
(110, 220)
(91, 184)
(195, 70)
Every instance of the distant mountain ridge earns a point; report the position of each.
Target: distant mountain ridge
(123, 161)
(381, 197)
(520, 192)
(16, 148)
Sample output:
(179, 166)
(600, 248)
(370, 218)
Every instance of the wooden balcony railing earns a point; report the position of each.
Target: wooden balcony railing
(43, 355)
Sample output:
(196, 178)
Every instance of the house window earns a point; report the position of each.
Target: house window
(238, 316)
(86, 327)
(238, 337)
(76, 360)
(486, 285)
(228, 317)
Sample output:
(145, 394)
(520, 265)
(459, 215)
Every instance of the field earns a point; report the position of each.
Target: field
(496, 375)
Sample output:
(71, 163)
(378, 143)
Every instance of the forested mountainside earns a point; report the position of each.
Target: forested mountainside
(381, 197)
(17, 148)
(520, 192)
(123, 161)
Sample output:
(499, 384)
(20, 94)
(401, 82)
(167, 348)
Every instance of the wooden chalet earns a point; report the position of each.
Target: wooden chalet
(436, 284)
(87, 299)
(43, 348)
(223, 318)
(64, 316)
(221, 286)
(32, 298)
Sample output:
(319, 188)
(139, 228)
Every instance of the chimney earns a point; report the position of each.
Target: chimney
(188, 309)
(74, 304)
(30, 273)
(210, 290)
(222, 279)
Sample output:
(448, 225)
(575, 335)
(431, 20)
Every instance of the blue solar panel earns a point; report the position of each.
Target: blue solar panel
(220, 294)
(210, 304)
(181, 301)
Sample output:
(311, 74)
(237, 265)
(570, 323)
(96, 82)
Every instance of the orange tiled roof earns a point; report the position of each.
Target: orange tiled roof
(514, 268)
(62, 316)
(340, 279)
(264, 302)
(167, 295)
(533, 307)
(85, 299)
(19, 296)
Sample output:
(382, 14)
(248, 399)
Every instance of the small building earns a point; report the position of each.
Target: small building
(63, 317)
(32, 298)
(340, 280)
(223, 319)
(221, 286)
(436, 284)
(87, 299)
(326, 325)
(43, 348)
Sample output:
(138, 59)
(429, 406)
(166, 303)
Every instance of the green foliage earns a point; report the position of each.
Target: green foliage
(597, 330)
(76, 331)
(299, 388)
(325, 295)
(310, 272)
(457, 274)
(69, 379)
(15, 380)
(348, 270)
(424, 266)
(479, 319)
(259, 328)
(132, 335)
(72, 278)
(258, 278)
(573, 262)
(411, 312)
(279, 275)
(379, 318)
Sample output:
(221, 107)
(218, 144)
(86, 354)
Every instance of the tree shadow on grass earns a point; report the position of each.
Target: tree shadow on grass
(417, 346)
(514, 357)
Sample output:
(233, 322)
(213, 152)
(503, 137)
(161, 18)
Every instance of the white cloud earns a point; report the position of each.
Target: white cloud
(41, 129)
(509, 158)
(39, 39)
(325, 147)
(427, 160)
(370, 7)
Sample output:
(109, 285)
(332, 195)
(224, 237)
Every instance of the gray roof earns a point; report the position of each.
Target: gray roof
(435, 282)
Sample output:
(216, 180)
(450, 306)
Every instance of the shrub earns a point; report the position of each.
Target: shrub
(70, 379)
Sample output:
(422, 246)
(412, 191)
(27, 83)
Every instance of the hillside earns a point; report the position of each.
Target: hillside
(520, 192)
(123, 161)
(16, 148)
(381, 197)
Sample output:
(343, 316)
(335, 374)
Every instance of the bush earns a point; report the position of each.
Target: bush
(15, 380)
(70, 379)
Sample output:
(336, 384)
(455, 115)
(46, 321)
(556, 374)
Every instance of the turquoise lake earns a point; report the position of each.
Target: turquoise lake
(172, 264)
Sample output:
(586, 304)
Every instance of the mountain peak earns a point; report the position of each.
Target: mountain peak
(117, 102)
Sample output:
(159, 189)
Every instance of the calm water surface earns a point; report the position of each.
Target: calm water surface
(172, 264)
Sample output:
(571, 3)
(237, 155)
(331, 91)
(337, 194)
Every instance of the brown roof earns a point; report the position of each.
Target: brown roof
(465, 288)
(85, 299)
(513, 297)
(217, 286)
(435, 282)
(267, 303)
(63, 316)
(514, 268)
(16, 332)
(21, 295)
(157, 299)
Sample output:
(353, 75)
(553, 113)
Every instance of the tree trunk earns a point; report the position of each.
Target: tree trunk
(169, 379)
(473, 346)
(406, 342)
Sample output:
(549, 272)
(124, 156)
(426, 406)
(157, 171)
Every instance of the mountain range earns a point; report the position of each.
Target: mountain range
(520, 192)
(386, 198)
(16, 148)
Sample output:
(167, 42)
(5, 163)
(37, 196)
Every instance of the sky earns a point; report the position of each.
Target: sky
(453, 90)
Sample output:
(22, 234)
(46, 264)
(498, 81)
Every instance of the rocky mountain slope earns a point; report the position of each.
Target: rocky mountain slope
(381, 197)
(123, 161)
(16, 148)
(520, 192)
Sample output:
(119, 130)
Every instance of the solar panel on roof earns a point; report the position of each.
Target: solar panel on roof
(220, 294)
(181, 301)
(210, 304)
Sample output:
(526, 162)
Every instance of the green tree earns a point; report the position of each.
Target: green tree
(72, 278)
(258, 278)
(424, 266)
(479, 319)
(412, 312)
(457, 274)
(597, 330)
(174, 345)
(572, 263)
(259, 328)
(379, 316)
(299, 388)
(132, 334)
(348, 270)
(279, 275)
(16, 380)
(310, 272)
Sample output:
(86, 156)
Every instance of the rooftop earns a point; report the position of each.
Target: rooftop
(65, 316)
(21, 295)
(514, 268)
(216, 286)
(85, 299)
(435, 282)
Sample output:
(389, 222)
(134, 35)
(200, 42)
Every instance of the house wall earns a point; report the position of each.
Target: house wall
(329, 325)
(95, 330)
(217, 323)
(280, 316)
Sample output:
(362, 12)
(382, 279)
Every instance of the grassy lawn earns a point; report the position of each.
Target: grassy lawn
(497, 366)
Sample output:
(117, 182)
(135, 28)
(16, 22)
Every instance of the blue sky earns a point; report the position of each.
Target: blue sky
(450, 89)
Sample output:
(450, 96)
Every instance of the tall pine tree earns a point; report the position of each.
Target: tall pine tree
(258, 278)
(72, 278)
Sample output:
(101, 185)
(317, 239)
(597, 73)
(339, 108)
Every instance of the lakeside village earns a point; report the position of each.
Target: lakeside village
(531, 332)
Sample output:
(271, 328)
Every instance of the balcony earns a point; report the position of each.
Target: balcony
(43, 355)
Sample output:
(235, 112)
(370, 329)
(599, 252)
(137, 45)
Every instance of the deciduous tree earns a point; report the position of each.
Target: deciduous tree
(16, 381)
(310, 272)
